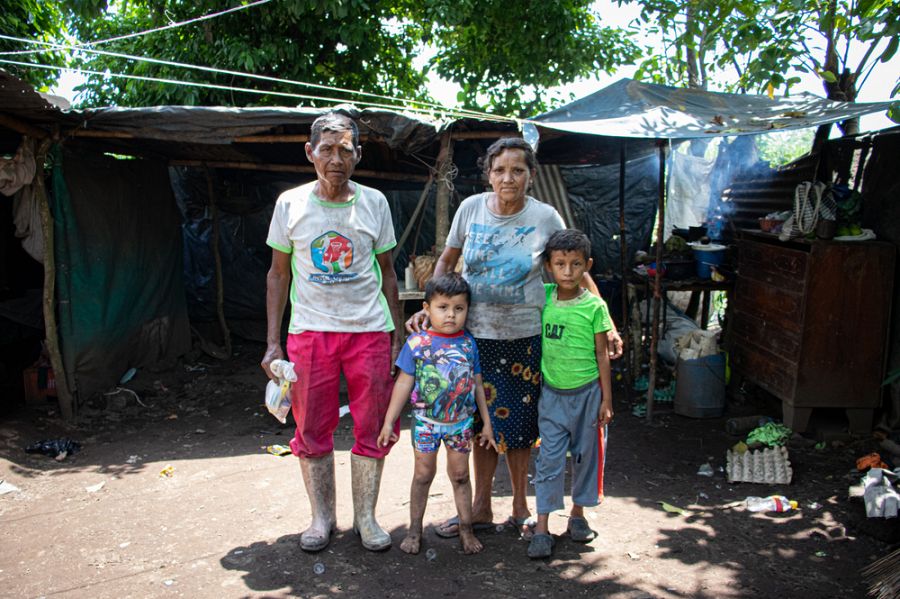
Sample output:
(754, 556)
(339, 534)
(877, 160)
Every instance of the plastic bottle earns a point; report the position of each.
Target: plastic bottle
(745, 424)
(773, 503)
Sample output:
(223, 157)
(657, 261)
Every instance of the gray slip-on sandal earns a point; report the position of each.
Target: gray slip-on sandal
(579, 531)
(541, 546)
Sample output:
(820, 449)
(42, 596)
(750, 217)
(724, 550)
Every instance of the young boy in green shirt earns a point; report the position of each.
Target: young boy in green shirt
(576, 398)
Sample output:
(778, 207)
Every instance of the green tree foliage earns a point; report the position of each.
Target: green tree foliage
(762, 45)
(32, 19)
(42, 21)
(502, 54)
(780, 148)
(346, 43)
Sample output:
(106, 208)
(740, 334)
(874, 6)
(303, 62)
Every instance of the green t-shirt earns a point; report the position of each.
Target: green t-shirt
(568, 351)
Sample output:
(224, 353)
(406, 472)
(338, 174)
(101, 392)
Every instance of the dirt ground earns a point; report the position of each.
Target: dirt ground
(106, 523)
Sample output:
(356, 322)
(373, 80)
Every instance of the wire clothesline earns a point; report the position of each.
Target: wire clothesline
(153, 30)
(179, 24)
(448, 112)
(437, 107)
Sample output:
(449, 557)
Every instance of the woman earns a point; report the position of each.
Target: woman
(501, 235)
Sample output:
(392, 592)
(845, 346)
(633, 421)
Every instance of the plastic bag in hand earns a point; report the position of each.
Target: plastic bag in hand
(278, 392)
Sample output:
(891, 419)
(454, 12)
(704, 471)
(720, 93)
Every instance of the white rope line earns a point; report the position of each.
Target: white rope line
(437, 107)
(82, 45)
(174, 25)
(227, 88)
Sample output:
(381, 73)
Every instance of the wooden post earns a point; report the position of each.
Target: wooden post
(654, 330)
(220, 292)
(623, 250)
(442, 200)
(51, 332)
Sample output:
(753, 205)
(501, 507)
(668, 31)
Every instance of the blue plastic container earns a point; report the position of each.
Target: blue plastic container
(706, 256)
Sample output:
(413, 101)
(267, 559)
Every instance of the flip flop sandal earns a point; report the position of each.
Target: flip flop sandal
(541, 546)
(442, 531)
(579, 531)
(524, 526)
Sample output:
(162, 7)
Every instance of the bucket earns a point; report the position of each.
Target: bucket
(707, 255)
(700, 388)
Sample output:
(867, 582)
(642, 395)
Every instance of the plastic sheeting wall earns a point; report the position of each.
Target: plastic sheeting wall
(245, 200)
(118, 268)
(594, 194)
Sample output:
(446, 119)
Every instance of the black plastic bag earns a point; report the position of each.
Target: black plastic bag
(54, 447)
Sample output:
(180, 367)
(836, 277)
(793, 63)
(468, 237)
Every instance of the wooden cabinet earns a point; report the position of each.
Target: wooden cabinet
(810, 323)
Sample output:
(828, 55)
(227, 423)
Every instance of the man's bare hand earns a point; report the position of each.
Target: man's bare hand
(273, 352)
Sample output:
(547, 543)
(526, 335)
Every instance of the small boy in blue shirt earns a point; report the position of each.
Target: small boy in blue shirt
(576, 397)
(440, 375)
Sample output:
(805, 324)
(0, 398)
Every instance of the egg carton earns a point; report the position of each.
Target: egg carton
(765, 466)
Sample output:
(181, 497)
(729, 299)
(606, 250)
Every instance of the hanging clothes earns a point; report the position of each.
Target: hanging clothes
(18, 171)
(27, 220)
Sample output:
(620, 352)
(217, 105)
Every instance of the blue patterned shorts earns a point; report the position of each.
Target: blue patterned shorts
(427, 436)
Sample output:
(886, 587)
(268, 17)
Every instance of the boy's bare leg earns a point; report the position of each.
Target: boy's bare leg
(577, 511)
(458, 471)
(426, 465)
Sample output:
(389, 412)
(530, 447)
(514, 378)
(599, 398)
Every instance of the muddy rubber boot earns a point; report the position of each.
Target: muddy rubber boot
(366, 475)
(318, 476)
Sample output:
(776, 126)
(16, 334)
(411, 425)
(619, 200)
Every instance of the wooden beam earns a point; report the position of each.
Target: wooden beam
(458, 135)
(22, 127)
(294, 168)
(273, 139)
(258, 139)
(101, 134)
(363, 137)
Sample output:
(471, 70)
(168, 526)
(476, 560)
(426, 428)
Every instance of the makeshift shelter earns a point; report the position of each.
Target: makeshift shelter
(629, 110)
(115, 223)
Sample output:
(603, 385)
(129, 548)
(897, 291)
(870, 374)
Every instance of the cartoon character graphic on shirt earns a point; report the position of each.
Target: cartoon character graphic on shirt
(431, 385)
(457, 395)
(444, 381)
(332, 253)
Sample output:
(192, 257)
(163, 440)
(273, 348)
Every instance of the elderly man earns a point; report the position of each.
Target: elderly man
(335, 237)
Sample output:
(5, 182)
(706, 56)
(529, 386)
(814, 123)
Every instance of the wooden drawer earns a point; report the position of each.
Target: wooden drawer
(772, 373)
(748, 328)
(777, 306)
(773, 266)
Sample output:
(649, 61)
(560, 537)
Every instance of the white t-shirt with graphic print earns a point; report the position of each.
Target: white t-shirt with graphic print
(503, 266)
(335, 278)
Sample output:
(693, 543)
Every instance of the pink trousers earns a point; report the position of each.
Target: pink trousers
(319, 358)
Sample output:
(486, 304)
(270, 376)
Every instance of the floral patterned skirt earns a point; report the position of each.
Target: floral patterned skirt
(511, 370)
